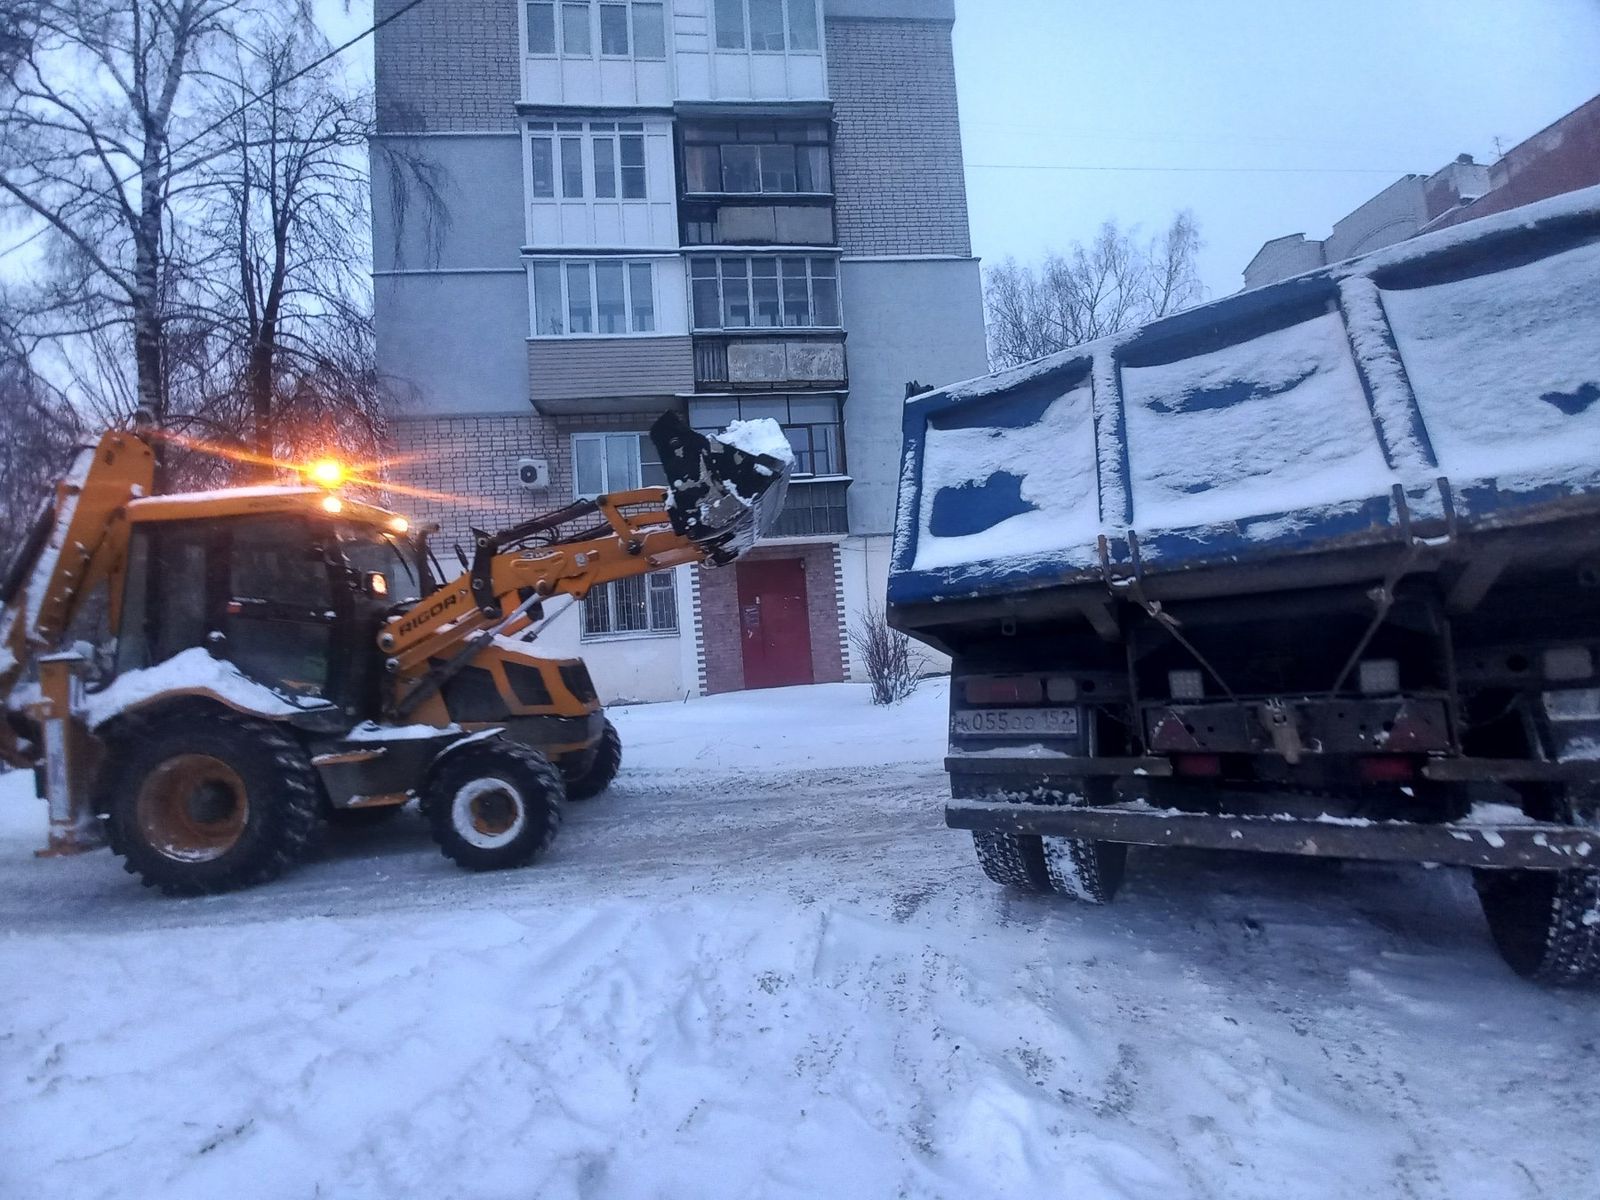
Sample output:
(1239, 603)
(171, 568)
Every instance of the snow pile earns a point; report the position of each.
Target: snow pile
(760, 436)
(192, 672)
(760, 967)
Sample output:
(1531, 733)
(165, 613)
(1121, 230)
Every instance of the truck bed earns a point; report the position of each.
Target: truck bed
(1441, 394)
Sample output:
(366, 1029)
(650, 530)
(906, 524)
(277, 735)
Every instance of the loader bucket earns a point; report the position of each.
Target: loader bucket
(719, 496)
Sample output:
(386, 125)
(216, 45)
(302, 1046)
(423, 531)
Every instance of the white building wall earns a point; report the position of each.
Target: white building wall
(630, 667)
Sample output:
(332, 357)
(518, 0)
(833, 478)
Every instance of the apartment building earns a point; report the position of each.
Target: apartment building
(586, 212)
(1563, 157)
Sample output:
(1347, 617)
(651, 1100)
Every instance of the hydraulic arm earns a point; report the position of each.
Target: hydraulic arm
(78, 541)
(720, 499)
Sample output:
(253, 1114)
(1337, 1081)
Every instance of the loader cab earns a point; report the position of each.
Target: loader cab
(293, 598)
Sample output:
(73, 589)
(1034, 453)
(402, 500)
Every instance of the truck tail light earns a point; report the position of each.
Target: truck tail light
(1387, 768)
(1004, 689)
(1204, 766)
(1186, 685)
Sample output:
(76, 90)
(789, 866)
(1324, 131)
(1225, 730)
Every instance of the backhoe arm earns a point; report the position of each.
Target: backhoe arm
(78, 541)
(720, 500)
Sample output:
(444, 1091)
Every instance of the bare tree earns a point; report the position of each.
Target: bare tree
(41, 431)
(894, 666)
(91, 114)
(1111, 284)
(290, 294)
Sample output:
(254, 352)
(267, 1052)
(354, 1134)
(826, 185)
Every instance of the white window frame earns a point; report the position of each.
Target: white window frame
(595, 54)
(744, 46)
(551, 133)
(749, 259)
(608, 484)
(628, 265)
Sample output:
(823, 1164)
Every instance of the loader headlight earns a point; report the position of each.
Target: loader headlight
(326, 472)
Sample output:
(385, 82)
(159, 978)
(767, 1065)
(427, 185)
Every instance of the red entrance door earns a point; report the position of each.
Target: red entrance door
(774, 626)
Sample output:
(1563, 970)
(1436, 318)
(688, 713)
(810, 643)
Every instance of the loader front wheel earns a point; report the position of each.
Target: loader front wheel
(494, 805)
(603, 767)
(198, 805)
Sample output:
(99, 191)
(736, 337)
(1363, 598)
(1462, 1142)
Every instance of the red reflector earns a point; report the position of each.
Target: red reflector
(1005, 689)
(1197, 764)
(1388, 769)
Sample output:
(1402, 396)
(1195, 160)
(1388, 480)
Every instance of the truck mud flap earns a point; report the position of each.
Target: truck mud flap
(1530, 846)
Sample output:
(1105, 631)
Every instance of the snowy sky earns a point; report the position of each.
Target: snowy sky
(1379, 86)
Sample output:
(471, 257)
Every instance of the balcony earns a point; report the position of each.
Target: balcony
(787, 361)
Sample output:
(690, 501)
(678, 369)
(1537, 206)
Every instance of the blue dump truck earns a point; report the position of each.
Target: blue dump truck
(1313, 569)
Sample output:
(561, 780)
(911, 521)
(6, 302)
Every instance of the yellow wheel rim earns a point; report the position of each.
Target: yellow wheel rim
(192, 808)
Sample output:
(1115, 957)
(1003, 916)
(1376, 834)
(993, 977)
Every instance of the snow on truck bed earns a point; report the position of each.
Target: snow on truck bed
(1274, 417)
(760, 967)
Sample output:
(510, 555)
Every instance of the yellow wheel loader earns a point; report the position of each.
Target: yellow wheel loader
(283, 655)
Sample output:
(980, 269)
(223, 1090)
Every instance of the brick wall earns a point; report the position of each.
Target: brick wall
(898, 169)
(466, 467)
(452, 66)
(717, 611)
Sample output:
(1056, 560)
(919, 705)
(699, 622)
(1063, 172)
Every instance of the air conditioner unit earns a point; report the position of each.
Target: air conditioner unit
(533, 473)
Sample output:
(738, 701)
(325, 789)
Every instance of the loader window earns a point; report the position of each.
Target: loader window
(389, 557)
(280, 604)
(165, 602)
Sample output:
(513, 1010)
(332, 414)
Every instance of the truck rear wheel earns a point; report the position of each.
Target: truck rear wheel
(1089, 872)
(1546, 924)
(210, 803)
(603, 767)
(494, 805)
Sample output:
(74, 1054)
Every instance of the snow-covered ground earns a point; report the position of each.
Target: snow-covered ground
(760, 967)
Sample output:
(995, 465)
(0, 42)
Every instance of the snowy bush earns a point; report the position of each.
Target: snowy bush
(894, 666)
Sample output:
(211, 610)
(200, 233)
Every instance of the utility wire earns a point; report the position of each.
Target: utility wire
(256, 98)
(1190, 170)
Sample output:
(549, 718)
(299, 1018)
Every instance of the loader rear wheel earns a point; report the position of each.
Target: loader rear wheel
(494, 805)
(603, 768)
(210, 803)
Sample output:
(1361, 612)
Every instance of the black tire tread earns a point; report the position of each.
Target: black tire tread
(1088, 872)
(534, 773)
(1546, 926)
(1012, 860)
(603, 770)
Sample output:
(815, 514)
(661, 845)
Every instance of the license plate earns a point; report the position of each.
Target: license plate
(1015, 722)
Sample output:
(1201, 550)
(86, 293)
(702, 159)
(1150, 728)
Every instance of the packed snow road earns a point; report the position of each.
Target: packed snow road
(760, 967)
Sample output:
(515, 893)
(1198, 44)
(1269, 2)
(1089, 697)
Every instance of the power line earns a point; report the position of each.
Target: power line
(1189, 170)
(105, 193)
